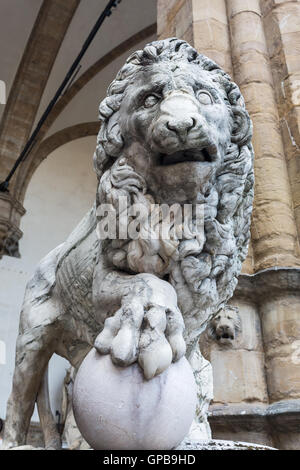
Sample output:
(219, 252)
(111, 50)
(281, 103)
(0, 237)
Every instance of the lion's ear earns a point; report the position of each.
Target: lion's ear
(242, 127)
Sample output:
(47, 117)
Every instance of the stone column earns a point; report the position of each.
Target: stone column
(282, 28)
(274, 233)
(201, 23)
(279, 305)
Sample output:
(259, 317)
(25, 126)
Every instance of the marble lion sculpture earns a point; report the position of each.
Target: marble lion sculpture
(174, 129)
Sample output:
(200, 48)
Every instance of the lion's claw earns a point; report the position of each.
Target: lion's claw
(124, 348)
(150, 333)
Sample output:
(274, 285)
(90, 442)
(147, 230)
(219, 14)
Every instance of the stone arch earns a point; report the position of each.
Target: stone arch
(53, 142)
(28, 167)
(12, 202)
(9, 229)
(29, 82)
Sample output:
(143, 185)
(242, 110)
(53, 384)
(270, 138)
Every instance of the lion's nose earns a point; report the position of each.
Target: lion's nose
(181, 126)
(224, 328)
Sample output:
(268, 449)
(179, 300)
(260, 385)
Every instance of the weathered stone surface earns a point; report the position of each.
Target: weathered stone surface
(167, 12)
(146, 299)
(270, 298)
(274, 232)
(281, 327)
(275, 425)
(281, 22)
(238, 363)
(239, 6)
(225, 328)
(246, 422)
(215, 444)
(283, 376)
(206, 9)
(183, 19)
(238, 376)
(204, 24)
(11, 212)
(71, 437)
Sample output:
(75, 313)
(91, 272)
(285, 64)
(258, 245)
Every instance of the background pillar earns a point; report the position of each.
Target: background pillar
(274, 233)
(201, 23)
(282, 28)
(22, 105)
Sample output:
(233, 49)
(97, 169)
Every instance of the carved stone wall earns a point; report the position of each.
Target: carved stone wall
(256, 377)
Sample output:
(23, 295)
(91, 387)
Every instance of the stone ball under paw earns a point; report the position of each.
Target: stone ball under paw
(116, 408)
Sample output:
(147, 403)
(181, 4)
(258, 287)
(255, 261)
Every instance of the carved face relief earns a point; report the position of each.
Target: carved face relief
(225, 326)
(180, 128)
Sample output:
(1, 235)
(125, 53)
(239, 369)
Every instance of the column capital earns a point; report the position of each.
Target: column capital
(11, 212)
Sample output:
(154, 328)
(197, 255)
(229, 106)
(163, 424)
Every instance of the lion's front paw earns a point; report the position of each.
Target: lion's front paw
(151, 334)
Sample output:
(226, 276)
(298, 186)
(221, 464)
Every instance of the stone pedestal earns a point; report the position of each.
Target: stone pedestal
(216, 444)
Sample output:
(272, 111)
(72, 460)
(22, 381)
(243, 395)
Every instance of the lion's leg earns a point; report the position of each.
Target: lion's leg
(200, 429)
(33, 352)
(52, 437)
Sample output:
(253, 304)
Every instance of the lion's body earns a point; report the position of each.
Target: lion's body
(174, 130)
(65, 277)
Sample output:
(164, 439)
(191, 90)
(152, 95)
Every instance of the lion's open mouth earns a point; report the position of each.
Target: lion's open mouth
(189, 155)
(225, 336)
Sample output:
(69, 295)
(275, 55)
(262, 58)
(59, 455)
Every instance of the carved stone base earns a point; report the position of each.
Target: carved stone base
(277, 424)
(214, 444)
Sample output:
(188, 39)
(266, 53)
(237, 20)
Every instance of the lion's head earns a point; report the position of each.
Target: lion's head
(225, 326)
(172, 113)
(175, 130)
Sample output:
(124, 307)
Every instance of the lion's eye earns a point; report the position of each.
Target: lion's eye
(204, 97)
(150, 101)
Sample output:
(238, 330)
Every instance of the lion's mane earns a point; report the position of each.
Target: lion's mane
(207, 271)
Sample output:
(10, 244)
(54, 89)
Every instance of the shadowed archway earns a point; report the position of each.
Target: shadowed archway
(28, 167)
(53, 142)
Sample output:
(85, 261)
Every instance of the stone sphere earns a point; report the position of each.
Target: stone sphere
(116, 408)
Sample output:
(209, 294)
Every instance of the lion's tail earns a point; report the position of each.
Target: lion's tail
(51, 435)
